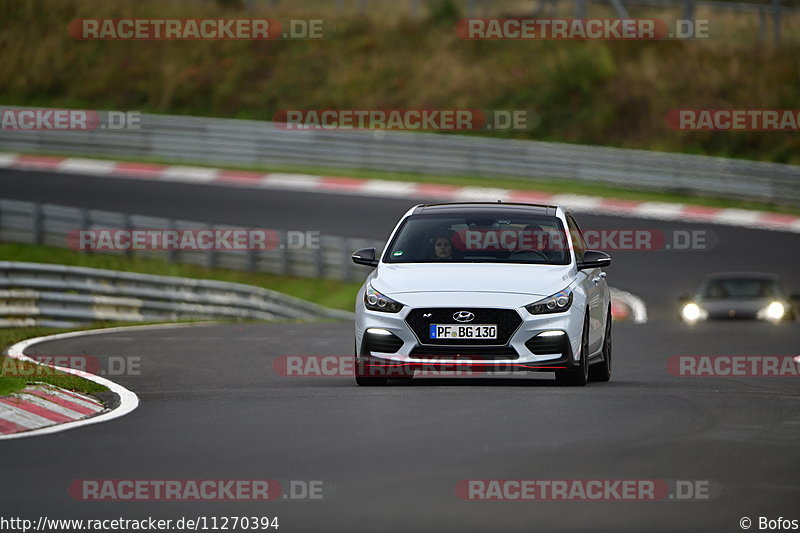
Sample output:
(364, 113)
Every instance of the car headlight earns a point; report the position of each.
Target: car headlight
(557, 303)
(773, 311)
(691, 312)
(375, 301)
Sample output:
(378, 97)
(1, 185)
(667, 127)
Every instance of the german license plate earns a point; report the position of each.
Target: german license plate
(454, 331)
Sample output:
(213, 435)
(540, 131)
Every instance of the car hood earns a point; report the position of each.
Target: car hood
(532, 280)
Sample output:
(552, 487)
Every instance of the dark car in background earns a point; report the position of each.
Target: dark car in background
(739, 295)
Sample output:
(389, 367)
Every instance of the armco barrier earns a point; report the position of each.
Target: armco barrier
(250, 142)
(35, 223)
(60, 296)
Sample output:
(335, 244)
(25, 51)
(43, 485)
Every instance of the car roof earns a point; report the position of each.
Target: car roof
(478, 207)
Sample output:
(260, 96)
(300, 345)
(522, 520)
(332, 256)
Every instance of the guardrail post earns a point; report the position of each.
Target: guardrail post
(776, 20)
(127, 226)
(580, 9)
(319, 259)
(471, 8)
(36, 224)
(347, 261)
(252, 260)
(285, 266)
(762, 24)
(688, 9)
(83, 219)
(83, 225)
(211, 254)
(171, 252)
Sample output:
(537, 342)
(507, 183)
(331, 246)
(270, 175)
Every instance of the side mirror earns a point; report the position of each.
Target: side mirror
(365, 256)
(683, 298)
(795, 296)
(594, 259)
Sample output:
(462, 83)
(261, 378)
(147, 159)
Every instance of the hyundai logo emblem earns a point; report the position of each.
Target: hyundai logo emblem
(463, 316)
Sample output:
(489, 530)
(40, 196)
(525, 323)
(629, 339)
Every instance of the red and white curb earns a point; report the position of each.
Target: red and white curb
(40, 405)
(401, 189)
(128, 401)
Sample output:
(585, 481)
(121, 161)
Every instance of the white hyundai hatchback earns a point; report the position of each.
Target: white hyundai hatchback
(487, 287)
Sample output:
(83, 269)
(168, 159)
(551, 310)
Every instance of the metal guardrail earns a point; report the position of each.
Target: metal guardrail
(249, 142)
(63, 296)
(34, 223)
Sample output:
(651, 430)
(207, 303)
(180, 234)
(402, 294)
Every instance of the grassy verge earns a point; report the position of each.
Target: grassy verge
(15, 374)
(329, 293)
(554, 185)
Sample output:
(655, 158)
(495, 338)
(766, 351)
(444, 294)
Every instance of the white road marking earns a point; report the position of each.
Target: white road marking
(128, 401)
(8, 159)
(95, 167)
(190, 174)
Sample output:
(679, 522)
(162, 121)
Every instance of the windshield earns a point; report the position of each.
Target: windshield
(480, 238)
(740, 288)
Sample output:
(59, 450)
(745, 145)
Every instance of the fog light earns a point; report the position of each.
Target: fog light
(379, 331)
(551, 333)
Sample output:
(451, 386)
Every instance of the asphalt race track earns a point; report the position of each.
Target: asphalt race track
(212, 406)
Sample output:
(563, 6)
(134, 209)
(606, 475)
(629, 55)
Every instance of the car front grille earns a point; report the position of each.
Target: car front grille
(507, 321)
(467, 353)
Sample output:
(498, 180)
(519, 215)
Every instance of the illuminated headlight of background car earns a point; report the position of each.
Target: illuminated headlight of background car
(557, 303)
(375, 301)
(774, 312)
(691, 312)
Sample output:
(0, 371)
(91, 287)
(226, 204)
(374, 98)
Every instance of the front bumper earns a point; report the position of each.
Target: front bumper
(515, 354)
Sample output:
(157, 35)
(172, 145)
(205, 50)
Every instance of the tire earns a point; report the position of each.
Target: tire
(364, 379)
(369, 381)
(602, 371)
(361, 374)
(578, 377)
